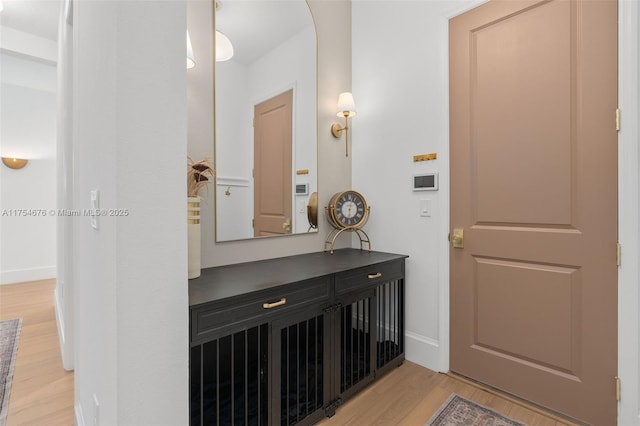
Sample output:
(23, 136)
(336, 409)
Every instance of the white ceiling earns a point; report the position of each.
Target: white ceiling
(37, 17)
(257, 26)
(253, 26)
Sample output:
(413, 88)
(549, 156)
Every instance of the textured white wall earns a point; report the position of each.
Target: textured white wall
(28, 130)
(131, 310)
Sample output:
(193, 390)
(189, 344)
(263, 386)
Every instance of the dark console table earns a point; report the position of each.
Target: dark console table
(285, 341)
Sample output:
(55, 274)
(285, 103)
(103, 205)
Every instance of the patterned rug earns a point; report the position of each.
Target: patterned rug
(9, 336)
(457, 411)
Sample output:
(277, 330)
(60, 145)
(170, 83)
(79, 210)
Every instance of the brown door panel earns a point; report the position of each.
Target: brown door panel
(533, 90)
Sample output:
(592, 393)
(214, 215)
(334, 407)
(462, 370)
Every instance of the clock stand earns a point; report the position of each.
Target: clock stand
(335, 232)
(333, 235)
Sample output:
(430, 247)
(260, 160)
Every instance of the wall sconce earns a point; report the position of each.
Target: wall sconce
(14, 163)
(190, 58)
(346, 109)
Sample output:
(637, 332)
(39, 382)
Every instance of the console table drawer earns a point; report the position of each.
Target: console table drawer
(369, 276)
(207, 319)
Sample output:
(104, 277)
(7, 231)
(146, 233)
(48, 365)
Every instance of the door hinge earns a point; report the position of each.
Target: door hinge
(253, 223)
(618, 254)
(617, 119)
(617, 388)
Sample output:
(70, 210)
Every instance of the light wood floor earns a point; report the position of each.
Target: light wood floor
(411, 394)
(42, 391)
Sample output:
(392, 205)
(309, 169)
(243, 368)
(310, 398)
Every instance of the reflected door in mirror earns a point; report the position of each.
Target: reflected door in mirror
(272, 135)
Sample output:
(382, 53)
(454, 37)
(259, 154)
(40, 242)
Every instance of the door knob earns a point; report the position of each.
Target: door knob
(457, 238)
(286, 225)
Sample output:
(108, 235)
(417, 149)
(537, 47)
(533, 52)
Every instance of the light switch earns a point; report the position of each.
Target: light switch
(425, 207)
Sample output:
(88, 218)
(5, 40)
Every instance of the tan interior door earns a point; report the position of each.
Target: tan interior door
(533, 93)
(272, 165)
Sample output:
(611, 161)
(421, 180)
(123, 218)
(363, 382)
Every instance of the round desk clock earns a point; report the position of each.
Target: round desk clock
(347, 212)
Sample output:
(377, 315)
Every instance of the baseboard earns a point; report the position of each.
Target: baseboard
(422, 350)
(25, 275)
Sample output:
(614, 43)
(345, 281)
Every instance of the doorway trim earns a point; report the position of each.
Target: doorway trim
(628, 208)
(629, 211)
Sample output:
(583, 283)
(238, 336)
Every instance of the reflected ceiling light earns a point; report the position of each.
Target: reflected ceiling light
(224, 49)
(346, 108)
(1, 6)
(14, 163)
(190, 61)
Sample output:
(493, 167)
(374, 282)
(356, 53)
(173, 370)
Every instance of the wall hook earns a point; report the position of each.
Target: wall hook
(227, 191)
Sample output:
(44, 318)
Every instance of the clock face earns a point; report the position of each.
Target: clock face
(349, 209)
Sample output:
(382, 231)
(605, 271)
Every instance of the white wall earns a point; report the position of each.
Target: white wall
(28, 130)
(131, 303)
(66, 184)
(400, 86)
(235, 135)
(333, 26)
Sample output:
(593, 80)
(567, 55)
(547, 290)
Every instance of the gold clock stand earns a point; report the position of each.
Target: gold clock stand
(333, 235)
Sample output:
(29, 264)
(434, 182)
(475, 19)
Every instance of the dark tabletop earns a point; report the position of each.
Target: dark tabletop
(222, 282)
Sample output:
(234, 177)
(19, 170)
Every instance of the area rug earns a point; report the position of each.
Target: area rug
(9, 336)
(458, 411)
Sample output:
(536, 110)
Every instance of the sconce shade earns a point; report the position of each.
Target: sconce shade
(346, 104)
(224, 48)
(14, 163)
(346, 108)
(190, 58)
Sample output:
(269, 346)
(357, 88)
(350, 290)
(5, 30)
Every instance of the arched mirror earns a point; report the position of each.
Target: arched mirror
(265, 118)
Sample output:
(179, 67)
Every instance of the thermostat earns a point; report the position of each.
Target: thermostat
(425, 182)
(302, 189)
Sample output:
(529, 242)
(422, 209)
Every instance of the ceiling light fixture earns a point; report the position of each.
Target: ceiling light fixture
(224, 48)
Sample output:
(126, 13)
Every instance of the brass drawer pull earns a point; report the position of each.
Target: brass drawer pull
(372, 276)
(275, 304)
